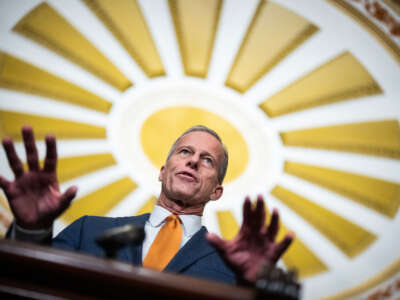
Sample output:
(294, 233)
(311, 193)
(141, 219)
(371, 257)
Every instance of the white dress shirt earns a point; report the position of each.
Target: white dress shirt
(190, 225)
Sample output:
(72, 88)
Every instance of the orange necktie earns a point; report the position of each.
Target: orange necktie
(165, 245)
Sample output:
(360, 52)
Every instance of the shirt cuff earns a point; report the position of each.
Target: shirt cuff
(31, 235)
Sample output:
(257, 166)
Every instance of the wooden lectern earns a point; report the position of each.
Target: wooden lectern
(29, 271)
(32, 271)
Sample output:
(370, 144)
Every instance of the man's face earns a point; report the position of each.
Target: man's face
(190, 176)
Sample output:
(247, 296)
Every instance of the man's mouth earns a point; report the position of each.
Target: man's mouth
(187, 175)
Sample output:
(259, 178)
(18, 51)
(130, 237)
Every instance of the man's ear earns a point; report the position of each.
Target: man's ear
(219, 189)
(162, 170)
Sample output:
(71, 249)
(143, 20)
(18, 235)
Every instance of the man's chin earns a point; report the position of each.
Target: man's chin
(184, 197)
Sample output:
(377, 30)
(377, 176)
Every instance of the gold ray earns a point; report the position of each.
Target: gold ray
(381, 195)
(385, 40)
(5, 214)
(298, 256)
(228, 225)
(125, 20)
(147, 207)
(195, 23)
(75, 166)
(3, 202)
(342, 78)
(379, 138)
(47, 27)
(350, 238)
(101, 201)
(16, 74)
(273, 34)
(5, 219)
(11, 123)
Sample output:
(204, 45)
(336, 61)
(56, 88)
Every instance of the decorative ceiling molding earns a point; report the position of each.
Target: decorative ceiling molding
(394, 5)
(382, 14)
(386, 40)
(370, 284)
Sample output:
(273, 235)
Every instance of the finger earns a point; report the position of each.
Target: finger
(215, 241)
(273, 227)
(246, 213)
(50, 162)
(283, 245)
(30, 148)
(12, 157)
(4, 184)
(259, 214)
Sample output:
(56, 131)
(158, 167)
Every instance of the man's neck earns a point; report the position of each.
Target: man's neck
(178, 207)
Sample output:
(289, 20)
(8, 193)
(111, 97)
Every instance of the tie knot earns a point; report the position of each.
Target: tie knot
(173, 218)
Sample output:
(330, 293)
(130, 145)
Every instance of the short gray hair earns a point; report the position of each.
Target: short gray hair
(222, 168)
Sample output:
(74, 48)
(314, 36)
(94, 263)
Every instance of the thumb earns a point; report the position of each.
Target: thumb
(283, 245)
(215, 241)
(66, 198)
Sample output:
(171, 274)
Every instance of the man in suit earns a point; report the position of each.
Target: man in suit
(191, 177)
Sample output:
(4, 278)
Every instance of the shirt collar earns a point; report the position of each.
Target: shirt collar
(190, 223)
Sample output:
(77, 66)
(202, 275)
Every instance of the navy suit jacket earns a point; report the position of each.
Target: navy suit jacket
(196, 258)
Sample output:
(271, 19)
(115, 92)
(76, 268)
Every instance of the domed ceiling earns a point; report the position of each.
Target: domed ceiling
(305, 94)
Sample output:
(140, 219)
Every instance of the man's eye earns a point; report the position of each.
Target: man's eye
(185, 151)
(208, 161)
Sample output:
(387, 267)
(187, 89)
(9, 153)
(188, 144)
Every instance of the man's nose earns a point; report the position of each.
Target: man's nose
(193, 161)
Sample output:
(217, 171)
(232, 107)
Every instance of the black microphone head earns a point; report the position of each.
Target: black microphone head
(115, 238)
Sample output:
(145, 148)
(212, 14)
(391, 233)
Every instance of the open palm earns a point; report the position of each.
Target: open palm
(34, 195)
(254, 245)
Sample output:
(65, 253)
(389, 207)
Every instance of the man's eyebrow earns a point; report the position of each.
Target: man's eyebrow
(208, 154)
(203, 153)
(184, 146)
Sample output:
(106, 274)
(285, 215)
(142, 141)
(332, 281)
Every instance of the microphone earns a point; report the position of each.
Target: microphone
(112, 240)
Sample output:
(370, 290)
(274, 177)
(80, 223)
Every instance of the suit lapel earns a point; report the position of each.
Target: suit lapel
(194, 249)
(136, 254)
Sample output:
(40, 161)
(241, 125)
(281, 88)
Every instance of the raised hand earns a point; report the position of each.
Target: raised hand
(254, 246)
(34, 195)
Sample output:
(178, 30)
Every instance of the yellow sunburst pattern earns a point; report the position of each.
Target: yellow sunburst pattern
(195, 23)
(342, 78)
(46, 26)
(125, 20)
(265, 44)
(380, 138)
(22, 76)
(307, 109)
(11, 123)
